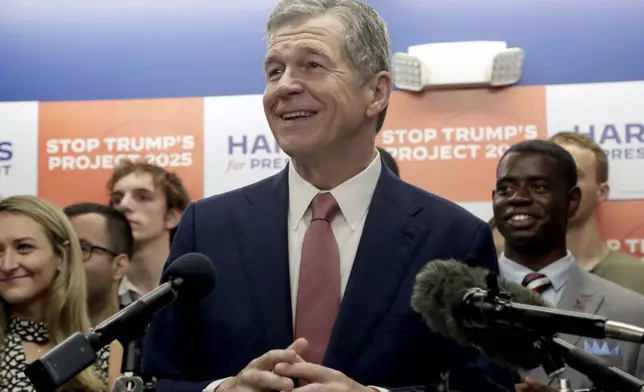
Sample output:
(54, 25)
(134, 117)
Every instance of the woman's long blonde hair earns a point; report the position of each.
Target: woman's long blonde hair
(66, 310)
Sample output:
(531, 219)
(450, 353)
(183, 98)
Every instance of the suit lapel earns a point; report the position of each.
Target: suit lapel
(579, 296)
(263, 245)
(380, 266)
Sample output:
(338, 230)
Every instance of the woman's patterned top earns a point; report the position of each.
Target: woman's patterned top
(12, 377)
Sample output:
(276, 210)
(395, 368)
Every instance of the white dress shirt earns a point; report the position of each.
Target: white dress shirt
(127, 292)
(353, 197)
(557, 272)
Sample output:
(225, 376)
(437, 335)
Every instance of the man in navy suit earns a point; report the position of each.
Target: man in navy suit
(316, 264)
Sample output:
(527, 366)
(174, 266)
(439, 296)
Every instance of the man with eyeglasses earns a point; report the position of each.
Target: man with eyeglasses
(106, 240)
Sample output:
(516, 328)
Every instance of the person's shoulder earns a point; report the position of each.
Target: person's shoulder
(233, 197)
(624, 262)
(441, 209)
(623, 269)
(613, 292)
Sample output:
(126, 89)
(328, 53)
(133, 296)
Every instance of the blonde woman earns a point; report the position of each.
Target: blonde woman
(42, 292)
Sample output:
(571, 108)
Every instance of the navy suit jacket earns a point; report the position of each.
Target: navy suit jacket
(377, 339)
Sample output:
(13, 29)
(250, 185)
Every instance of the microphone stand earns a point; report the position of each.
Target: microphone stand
(605, 377)
(131, 381)
(549, 357)
(551, 361)
(555, 353)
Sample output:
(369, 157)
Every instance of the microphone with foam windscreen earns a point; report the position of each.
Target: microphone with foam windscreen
(513, 325)
(438, 295)
(187, 279)
(445, 285)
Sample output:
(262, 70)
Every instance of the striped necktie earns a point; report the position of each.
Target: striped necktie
(536, 282)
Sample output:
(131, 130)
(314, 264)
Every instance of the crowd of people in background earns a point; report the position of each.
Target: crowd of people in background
(63, 271)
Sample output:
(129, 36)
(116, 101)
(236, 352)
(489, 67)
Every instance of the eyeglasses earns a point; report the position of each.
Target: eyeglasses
(88, 249)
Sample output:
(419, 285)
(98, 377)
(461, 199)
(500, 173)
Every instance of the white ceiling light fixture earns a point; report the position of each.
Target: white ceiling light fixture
(456, 65)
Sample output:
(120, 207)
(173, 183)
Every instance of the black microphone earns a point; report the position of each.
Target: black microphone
(456, 300)
(188, 278)
(480, 312)
(438, 295)
(523, 308)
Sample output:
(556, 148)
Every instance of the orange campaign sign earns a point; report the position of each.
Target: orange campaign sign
(450, 141)
(80, 143)
(622, 225)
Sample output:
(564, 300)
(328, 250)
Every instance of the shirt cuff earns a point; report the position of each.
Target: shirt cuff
(213, 385)
(377, 389)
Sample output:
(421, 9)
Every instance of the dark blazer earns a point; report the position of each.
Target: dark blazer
(377, 339)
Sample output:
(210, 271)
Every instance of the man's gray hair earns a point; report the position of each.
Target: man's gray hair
(367, 42)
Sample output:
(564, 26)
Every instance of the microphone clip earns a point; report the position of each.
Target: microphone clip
(492, 283)
(493, 292)
(129, 382)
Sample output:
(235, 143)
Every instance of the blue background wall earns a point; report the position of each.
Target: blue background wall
(78, 49)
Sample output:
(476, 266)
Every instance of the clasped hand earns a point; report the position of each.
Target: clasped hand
(277, 369)
(529, 385)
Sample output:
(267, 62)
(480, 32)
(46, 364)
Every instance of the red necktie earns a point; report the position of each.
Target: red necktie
(318, 294)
